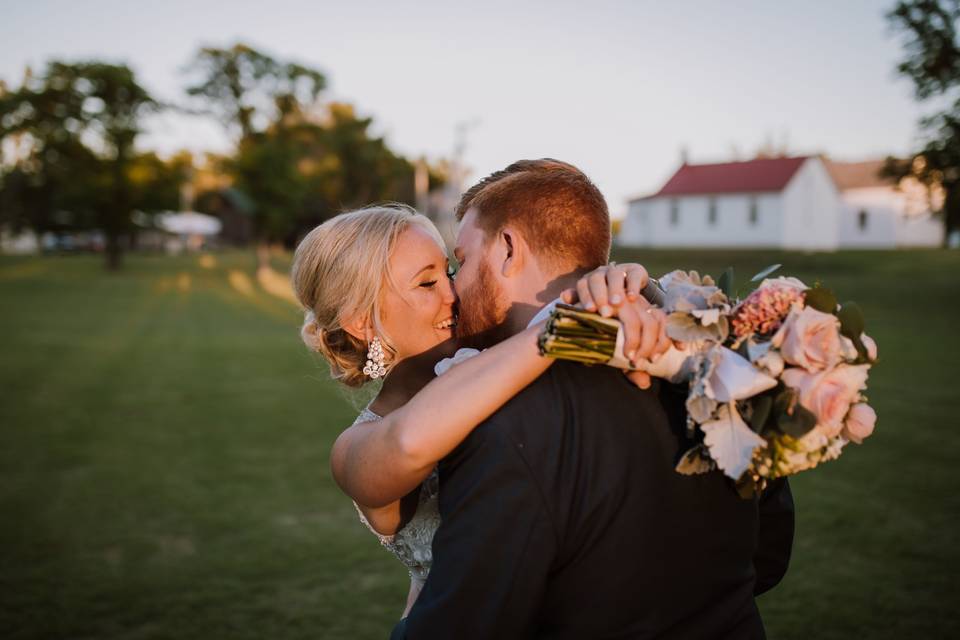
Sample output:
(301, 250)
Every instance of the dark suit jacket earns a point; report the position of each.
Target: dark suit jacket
(563, 517)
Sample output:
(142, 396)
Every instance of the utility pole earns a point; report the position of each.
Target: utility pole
(456, 180)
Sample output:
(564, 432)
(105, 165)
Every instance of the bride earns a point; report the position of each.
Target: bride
(377, 290)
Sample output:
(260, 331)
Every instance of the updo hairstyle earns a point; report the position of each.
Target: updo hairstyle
(339, 271)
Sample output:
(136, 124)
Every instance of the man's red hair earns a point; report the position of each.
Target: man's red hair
(560, 212)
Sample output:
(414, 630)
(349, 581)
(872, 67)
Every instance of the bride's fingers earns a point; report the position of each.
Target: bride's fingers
(597, 284)
(663, 342)
(583, 292)
(651, 333)
(637, 279)
(632, 329)
(639, 378)
(569, 296)
(616, 278)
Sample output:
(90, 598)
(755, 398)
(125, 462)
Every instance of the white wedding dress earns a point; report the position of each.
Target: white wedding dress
(411, 544)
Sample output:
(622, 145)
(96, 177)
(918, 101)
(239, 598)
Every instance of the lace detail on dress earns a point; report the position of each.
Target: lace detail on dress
(411, 544)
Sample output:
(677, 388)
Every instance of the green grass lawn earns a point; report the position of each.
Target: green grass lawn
(163, 460)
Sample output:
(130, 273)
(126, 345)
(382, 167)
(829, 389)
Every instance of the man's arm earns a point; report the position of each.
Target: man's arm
(493, 550)
(775, 540)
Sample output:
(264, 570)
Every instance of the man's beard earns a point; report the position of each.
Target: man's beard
(483, 313)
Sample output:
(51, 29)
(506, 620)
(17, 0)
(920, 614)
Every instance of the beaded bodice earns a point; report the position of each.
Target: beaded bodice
(411, 544)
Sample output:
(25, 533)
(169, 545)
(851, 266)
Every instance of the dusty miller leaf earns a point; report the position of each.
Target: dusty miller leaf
(731, 441)
(765, 272)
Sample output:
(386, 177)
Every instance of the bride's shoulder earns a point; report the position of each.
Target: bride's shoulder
(366, 415)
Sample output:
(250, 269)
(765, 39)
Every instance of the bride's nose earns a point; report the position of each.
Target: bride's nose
(446, 291)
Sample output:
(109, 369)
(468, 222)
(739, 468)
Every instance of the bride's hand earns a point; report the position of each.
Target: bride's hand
(615, 291)
(607, 287)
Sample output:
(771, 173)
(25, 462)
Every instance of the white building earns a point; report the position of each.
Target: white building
(878, 214)
(786, 203)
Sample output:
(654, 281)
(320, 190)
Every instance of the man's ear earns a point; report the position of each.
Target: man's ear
(515, 252)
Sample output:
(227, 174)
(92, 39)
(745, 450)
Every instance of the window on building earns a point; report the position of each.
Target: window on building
(712, 212)
(754, 216)
(862, 220)
(674, 213)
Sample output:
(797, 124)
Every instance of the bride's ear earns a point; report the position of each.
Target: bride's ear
(359, 327)
(515, 252)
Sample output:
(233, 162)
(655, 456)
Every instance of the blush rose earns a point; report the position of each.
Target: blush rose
(828, 394)
(860, 422)
(810, 339)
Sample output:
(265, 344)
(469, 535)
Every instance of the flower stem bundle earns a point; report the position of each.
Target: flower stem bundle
(581, 336)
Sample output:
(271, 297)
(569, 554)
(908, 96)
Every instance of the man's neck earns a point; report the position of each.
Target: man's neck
(523, 311)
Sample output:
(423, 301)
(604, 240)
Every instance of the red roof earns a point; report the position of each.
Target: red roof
(859, 175)
(762, 174)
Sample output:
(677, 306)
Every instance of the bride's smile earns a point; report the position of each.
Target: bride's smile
(418, 305)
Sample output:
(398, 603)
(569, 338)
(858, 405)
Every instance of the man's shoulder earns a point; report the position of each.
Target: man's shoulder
(556, 399)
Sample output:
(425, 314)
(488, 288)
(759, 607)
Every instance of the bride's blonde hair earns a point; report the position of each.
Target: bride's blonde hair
(339, 270)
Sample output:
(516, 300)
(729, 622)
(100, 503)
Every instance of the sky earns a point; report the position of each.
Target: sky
(617, 88)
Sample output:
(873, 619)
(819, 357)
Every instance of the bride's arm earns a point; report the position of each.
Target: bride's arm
(377, 464)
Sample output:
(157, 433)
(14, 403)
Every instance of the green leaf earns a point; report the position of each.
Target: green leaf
(746, 488)
(792, 417)
(762, 406)
(726, 282)
(821, 299)
(696, 460)
(852, 322)
(765, 272)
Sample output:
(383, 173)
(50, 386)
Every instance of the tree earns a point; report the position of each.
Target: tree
(77, 124)
(249, 89)
(302, 170)
(932, 62)
(300, 162)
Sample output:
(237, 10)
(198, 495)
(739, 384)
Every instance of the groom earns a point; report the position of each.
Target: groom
(562, 514)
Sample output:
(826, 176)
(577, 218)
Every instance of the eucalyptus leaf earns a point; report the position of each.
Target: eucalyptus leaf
(746, 488)
(821, 299)
(695, 461)
(862, 354)
(765, 272)
(762, 406)
(726, 282)
(798, 422)
(852, 322)
(784, 401)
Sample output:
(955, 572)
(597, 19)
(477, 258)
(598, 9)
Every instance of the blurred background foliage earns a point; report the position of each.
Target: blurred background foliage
(71, 162)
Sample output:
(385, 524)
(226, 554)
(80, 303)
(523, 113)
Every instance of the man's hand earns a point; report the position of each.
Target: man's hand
(614, 290)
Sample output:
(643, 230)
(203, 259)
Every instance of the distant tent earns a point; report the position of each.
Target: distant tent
(189, 223)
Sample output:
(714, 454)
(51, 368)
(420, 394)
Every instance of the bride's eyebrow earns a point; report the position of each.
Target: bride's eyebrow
(426, 268)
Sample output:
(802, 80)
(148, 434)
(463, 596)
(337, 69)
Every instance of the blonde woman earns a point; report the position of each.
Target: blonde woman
(376, 286)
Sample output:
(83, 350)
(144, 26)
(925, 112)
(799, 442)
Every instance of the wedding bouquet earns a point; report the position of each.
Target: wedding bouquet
(776, 380)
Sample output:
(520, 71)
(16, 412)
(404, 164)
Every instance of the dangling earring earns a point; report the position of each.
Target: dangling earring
(375, 368)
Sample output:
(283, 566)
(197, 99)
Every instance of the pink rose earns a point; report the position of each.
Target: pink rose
(871, 346)
(810, 339)
(860, 422)
(829, 394)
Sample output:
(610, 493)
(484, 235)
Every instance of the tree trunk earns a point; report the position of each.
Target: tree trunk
(951, 211)
(114, 252)
(117, 217)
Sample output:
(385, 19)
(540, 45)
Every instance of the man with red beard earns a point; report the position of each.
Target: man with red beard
(562, 515)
